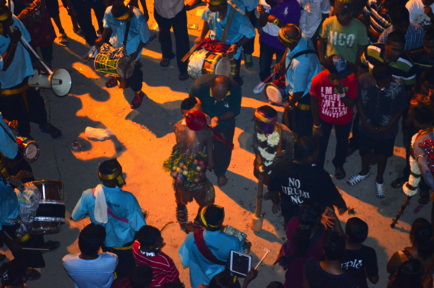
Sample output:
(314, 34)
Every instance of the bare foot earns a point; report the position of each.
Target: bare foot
(222, 181)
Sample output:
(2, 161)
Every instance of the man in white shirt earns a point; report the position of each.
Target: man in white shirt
(91, 269)
(421, 12)
(313, 13)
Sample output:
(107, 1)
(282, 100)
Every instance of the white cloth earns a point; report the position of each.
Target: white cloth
(417, 14)
(311, 15)
(100, 212)
(21, 65)
(168, 8)
(97, 273)
(269, 28)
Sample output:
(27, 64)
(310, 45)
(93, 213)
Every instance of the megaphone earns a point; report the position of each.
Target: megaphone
(59, 81)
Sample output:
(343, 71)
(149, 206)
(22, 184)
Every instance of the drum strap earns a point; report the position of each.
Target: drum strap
(126, 34)
(297, 55)
(204, 250)
(228, 23)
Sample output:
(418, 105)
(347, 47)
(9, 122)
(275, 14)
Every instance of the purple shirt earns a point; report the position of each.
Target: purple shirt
(288, 11)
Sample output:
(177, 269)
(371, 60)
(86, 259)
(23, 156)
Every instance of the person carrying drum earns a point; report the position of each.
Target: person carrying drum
(230, 26)
(117, 210)
(299, 64)
(19, 101)
(128, 28)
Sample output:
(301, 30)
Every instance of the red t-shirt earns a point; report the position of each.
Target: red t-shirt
(331, 108)
(163, 268)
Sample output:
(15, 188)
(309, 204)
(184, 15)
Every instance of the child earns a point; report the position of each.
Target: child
(147, 250)
(359, 260)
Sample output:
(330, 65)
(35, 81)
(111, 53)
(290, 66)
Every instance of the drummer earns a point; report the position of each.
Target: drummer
(298, 78)
(117, 19)
(240, 30)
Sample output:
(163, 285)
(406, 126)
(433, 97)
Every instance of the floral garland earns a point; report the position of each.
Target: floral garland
(267, 147)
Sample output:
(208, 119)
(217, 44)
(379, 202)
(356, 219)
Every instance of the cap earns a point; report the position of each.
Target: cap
(343, 6)
(337, 64)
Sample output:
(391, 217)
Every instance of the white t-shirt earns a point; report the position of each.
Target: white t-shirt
(311, 15)
(417, 14)
(97, 273)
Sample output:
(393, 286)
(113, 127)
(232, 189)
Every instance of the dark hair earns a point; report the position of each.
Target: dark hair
(148, 235)
(357, 230)
(214, 216)
(224, 280)
(109, 166)
(429, 35)
(309, 215)
(334, 246)
(381, 71)
(118, 9)
(141, 276)
(269, 111)
(305, 146)
(399, 14)
(395, 37)
(91, 239)
(188, 103)
(409, 274)
(275, 284)
(422, 114)
(422, 234)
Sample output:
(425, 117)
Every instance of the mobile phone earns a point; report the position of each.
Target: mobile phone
(240, 263)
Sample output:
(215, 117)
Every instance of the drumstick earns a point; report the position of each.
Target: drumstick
(189, 53)
(263, 257)
(260, 85)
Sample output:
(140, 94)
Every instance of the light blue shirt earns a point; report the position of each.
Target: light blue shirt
(239, 27)
(246, 5)
(138, 33)
(123, 204)
(303, 68)
(21, 65)
(8, 205)
(202, 270)
(8, 146)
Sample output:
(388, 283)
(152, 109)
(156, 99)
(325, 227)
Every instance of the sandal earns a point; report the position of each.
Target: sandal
(356, 179)
(380, 190)
(137, 100)
(31, 275)
(63, 40)
(166, 61)
(341, 174)
(50, 129)
(183, 76)
(397, 183)
(51, 245)
(423, 197)
(113, 82)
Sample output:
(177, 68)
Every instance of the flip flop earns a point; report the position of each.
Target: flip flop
(340, 175)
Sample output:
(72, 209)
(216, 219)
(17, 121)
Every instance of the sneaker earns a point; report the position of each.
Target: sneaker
(248, 61)
(356, 179)
(137, 100)
(92, 52)
(380, 190)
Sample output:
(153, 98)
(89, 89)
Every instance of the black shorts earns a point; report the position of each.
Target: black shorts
(52, 7)
(379, 146)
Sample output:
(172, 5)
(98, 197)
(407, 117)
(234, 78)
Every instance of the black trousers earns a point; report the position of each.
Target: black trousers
(126, 262)
(25, 107)
(222, 152)
(84, 17)
(136, 80)
(249, 47)
(179, 25)
(266, 59)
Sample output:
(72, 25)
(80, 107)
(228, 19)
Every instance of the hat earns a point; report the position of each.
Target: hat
(343, 6)
(337, 64)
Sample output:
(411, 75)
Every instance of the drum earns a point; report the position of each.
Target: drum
(28, 148)
(240, 235)
(273, 94)
(204, 62)
(51, 211)
(114, 62)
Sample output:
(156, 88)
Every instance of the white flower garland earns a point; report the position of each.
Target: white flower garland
(272, 140)
(414, 168)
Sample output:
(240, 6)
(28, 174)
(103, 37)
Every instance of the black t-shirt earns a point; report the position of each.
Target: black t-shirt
(360, 263)
(299, 183)
(318, 278)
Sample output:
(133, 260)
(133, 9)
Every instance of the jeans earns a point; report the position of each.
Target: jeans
(342, 132)
(179, 25)
(84, 17)
(266, 59)
(222, 152)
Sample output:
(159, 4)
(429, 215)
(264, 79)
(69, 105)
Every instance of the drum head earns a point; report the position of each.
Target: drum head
(125, 67)
(273, 94)
(31, 151)
(223, 67)
(195, 63)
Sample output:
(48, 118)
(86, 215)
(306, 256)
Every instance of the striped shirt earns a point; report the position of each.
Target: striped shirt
(413, 36)
(163, 268)
(402, 69)
(378, 22)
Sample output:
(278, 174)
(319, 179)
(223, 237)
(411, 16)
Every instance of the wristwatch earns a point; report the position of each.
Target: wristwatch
(276, 22)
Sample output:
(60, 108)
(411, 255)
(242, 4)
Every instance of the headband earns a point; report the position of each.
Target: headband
(112, 176)
(125, 16)
(261, 117)
(5, 16)
(286, 38)
(202, 217)
(215, 2)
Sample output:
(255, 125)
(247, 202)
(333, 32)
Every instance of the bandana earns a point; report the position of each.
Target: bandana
(286, 38)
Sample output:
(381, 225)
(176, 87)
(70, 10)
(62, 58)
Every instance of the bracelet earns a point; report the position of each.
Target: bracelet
(317, 126)
(276, 22)
(343, 95)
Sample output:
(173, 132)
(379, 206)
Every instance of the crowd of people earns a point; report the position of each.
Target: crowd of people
(331, 56)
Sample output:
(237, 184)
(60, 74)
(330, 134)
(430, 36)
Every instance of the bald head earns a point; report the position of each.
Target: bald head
(220, 87)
